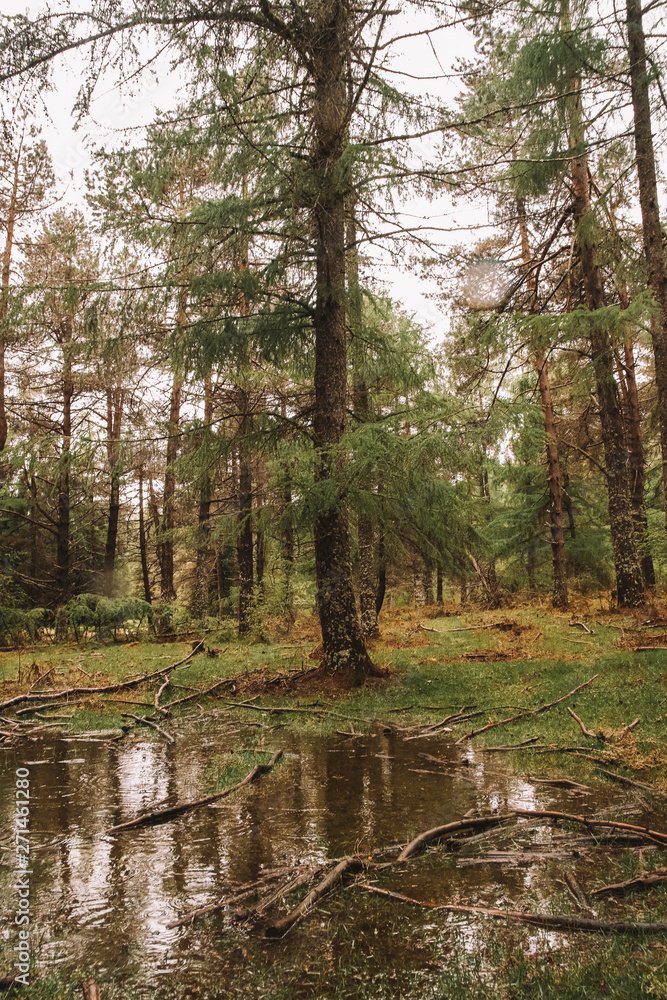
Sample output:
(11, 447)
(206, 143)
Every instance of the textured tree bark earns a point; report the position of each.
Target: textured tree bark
(360, 407)
(382, 576)
(288, 560)
(629, 581)
(166, 538)
(63, 580)
(167, 524)
(554, 482)
(648, 198)
(244, 547)
(418, 585)
(260, 542)
(115, 401)
(636, 457)
(342, 639)
(199, 600)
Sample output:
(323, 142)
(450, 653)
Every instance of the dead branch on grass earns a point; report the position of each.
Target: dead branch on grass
(593, 736)
(639, 882)
(633, 784)
(527, 714)
(104, 689)
(585, 627)
(626, 729)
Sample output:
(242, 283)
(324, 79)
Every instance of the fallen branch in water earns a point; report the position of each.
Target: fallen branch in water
(292, 883)
(554, 920)
(147, 722)
(473, 823)
(644, 831)
(161, 815)
(640, 882)
(105, 689)
(281, 927)
(527, 714)
(633, 784)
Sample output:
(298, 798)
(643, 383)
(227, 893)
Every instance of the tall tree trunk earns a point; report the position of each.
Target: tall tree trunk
(342, 639)
(629, 582)
(167, 521)
(115, 401)
(143, 552)
(636, 458)
(554, 480)
(244, 546)
(260, 541)
(288, 559)
(382, 575)
(438, 585)
(360, 407)
(418, 584)
(648, 199)
(199, 600)
(63, 555)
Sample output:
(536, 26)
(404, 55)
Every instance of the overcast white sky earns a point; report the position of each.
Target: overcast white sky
(113, 111)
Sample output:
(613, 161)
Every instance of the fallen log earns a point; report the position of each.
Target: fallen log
(549, 920)
(281, 927)
(527, 714)
(162, 815)
(104, 689)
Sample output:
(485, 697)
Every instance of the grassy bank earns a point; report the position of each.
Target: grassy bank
(487, 666)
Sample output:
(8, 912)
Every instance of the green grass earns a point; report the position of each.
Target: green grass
(438, 673)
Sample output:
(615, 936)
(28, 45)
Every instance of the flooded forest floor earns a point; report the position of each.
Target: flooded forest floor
(218, 820)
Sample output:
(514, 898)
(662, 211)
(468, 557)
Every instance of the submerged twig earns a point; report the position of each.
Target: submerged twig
(147, 722)
(566, 922)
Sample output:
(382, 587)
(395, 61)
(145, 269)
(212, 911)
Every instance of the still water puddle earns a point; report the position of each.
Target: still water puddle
(104, 901)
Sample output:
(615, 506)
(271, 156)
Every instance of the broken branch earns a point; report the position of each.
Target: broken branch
(525, 715)
(566, 922)
(161, 815)
(280, 927)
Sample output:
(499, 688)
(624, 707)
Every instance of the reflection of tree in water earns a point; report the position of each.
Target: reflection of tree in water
(328, 798)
